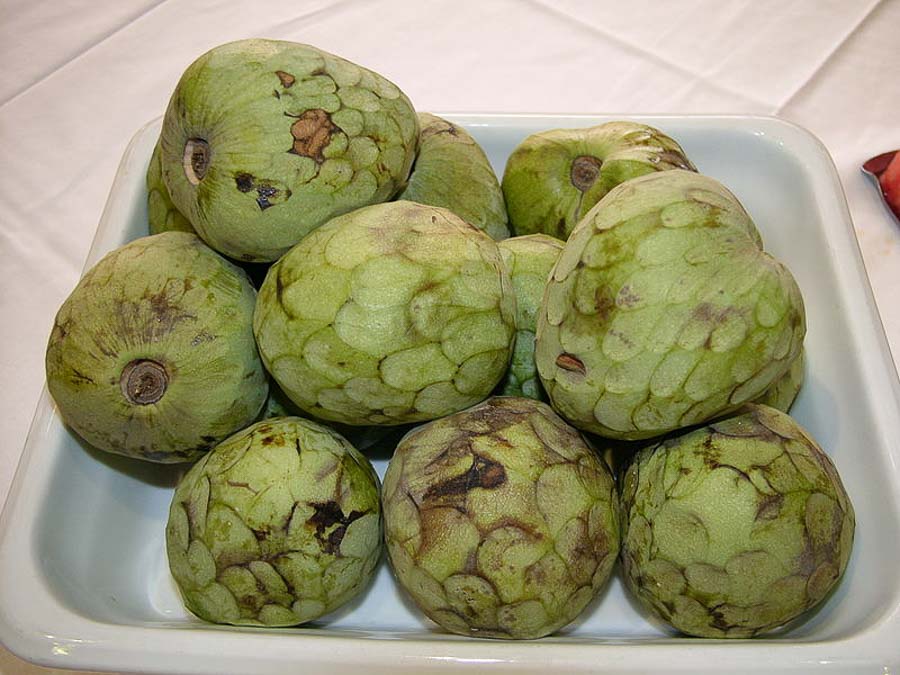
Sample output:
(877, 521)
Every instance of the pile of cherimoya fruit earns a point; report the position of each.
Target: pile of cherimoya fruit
(326, 265)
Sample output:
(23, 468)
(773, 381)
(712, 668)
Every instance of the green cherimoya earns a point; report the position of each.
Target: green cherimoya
(782, 393)
(451, 170)
(278, 525)
(391, 314)
(735, 528)
(162, 214)
(153, 356)
(553, 178)
(500, 521)
(265, 140)
(529, 259)
(663, 311)
(364, 439)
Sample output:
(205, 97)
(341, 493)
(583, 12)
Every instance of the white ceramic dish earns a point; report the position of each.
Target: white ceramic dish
(83, 576)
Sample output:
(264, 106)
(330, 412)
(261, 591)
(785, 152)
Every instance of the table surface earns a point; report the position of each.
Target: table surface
(79, 77)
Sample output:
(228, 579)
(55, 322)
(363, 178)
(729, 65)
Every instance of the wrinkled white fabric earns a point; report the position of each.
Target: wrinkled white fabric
(79, 77)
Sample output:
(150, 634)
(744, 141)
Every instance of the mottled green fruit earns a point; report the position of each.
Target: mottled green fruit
(362, 438)
(394, 313)
(500, 521)
(663, 311)
(736, 528)
(265, 140)
(451, 170)
(784, 390)
(529, 260)
(278, 525)
(152, 355)
(553, 178)
(162, 214)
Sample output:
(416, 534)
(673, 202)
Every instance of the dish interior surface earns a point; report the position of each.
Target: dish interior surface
(97, 528)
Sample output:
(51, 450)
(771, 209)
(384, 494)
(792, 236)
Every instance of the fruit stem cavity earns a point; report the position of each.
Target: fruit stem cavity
(585, 171)
(196, 160)
(143, 381)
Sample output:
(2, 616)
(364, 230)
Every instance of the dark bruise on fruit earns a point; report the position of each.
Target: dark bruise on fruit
(287, 80)
(312, 132)
(483, 473)
(331, 525)
(266, 194)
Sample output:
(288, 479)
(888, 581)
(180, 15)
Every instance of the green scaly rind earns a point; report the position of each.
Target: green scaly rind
(170, 299)
(538, 179)
(296, 136)
(451, 170)
(162, 214)
(663, 311)
(278, 525)
(736, 528)
(529, 259)
(392, 314)
(500, 521)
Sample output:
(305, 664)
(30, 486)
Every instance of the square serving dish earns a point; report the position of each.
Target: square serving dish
(84, 581)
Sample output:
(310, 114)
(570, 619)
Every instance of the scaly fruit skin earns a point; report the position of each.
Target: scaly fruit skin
(451, 170)
(362, 438)
(529, 259)
(278, 525)
(162, 214)
(663, 311)
(392, 314)
(264, 140)
(152, 355)
(553, 178)
(500, 521)
(783, 392)
(736, 528)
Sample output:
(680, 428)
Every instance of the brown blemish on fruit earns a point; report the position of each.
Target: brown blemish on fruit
(80, 378)
(312, 132)
(265, 192)
(585, 171)
(240, 484)
(483, 473)
(244, 182)
(165, 314)
(202, 337)
(329, 515)
(287, 80)
(676, 159)
(627, 297)
(195, 160)
(604, 304)
(769, 507)
(439, 128)
(143, 381)
(571, 363)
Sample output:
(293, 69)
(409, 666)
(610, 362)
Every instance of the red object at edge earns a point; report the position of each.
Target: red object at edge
(885, 168)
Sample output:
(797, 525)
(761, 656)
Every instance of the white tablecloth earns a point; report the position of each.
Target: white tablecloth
(79, 77)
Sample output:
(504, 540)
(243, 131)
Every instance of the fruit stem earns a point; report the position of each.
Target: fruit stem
(195, 160)
(143, 381)
(585, 171)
